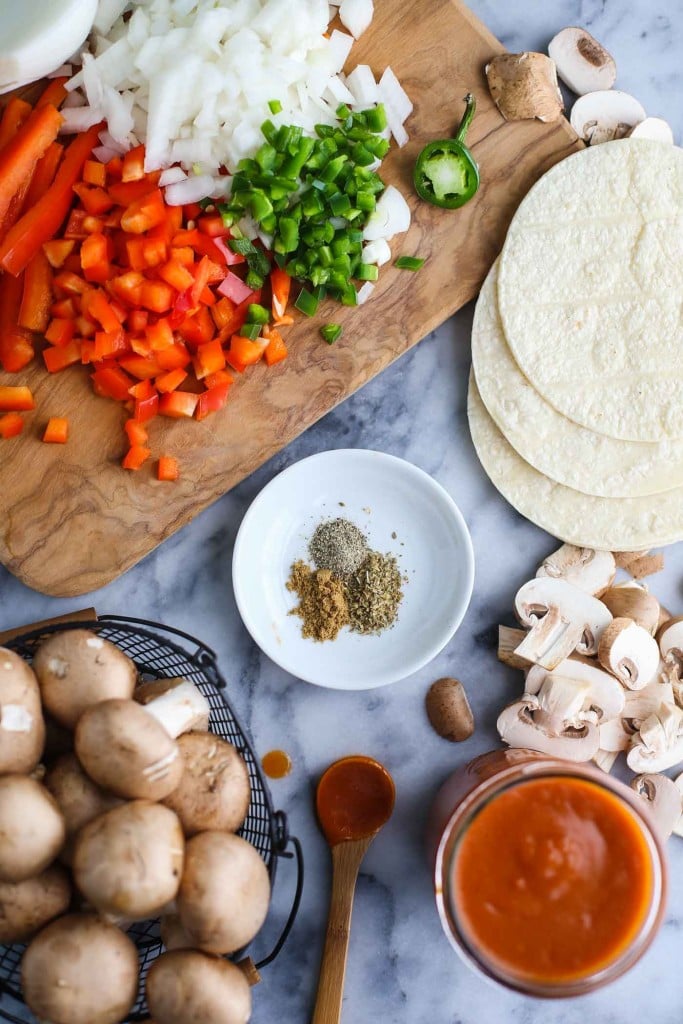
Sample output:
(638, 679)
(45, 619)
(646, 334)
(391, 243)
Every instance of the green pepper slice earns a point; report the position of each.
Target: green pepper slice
(446, 174)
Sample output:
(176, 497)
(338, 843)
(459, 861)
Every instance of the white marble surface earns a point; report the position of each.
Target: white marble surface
(401, 969)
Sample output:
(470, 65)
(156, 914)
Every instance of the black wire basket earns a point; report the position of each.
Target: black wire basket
(157, 653)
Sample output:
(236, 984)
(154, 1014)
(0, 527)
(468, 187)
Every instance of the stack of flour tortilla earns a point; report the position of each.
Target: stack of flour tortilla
(575, 403)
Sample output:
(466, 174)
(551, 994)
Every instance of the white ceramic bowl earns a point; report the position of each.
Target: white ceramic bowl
(404, 512)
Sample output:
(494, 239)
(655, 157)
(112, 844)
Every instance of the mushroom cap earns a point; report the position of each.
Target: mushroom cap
(589, 570)
(630, 653)
(224, 893)
(214, 790)
(125, 750)
(78, 797)
(605, 114)
(76, 669)
(658, 744)
(535, 598)
(31, 826)
(582, 62)
(670, 640)
(633, 601)
(655, 128)
(517, 728)
(128, 862)
(188, 987)
(449, 711)
(173, 935)
(29, 905)
(80, 970)
(22, 727)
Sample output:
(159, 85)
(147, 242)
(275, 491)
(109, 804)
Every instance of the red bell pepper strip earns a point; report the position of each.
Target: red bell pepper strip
(34, 312)
(11, 425)
(54, 93)
(16, 399)
(44, 174)
(14, 115)
(16, 343)
(56, 431)
(42, 221)
(22, 152)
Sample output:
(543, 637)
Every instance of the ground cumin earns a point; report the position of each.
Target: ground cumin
(322, 601)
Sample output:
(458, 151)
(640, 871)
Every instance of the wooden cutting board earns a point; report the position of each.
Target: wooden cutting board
(72, 519)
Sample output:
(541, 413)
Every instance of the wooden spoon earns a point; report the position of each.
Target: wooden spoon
(354, 799)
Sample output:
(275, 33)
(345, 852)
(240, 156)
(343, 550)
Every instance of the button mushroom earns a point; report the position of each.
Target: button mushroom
(78, 797)
(449, 711)
(655, 128)
(80, 970)
(562, 619)
(582, 62)
(663, 798)
(177, 704)
(605, 115)
(630, 653)
(29, 905)
(589, 570)
(223, 897)
(187, 987)
(123, 748)
(524, 85)
(22, 729)
(214, 789)
(128, 862)
(31, 827)
(173, 935)
(76, 669)
(658, 744)
(551, 721)
(633, 601)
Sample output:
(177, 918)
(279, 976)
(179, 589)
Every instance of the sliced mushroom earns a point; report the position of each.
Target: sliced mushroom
(604, 760)
(646, 565)
(177, 704)
(524, 85)
(670, 640)
(550, 640)
(657, 129)
(603, 694)
(535, 599)
(664, 799)
(517, 727)
(605, 115)
(632, 601)
(22, 728)
(615, 736)
(509, 640)
(582, 62)
(589, 570)
(640, 704)
(659, 742)
(630, 653)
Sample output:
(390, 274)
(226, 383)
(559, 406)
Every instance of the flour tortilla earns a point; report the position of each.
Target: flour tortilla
(591, 285)
(553, 444)
(606, 524)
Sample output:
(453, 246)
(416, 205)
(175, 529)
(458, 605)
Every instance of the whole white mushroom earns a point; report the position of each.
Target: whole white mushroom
(31, 826)
(188, 987)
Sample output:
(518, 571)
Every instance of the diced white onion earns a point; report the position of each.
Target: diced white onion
(364, 292)
(392, 93)
(390, 217)
(377, 252)
(356, 15)
(171, 176)
(191, 190)
(361, 82)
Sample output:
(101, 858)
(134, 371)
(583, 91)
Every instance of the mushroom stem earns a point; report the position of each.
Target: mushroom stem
(182, 708)
(509, 640)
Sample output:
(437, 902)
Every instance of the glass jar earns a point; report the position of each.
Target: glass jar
(471, 789)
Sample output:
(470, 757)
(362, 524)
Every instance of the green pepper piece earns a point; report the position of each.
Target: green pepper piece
(446, 173)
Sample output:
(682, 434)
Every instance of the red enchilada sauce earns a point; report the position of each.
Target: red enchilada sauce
(355, 797)
(553, 880)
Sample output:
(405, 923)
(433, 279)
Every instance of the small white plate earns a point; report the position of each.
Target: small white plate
(404, 512)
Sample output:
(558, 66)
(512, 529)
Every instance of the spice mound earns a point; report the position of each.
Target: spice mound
(349, 586)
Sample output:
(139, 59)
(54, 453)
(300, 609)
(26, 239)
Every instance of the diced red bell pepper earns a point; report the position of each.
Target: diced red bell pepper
(16, 398)
(56, 431)
(67, 283)
(146, 408)
(184, 254)
(75, 226)
(142, 390)
(95, 256)
(136, 457)
(57, 359)
(177, 275)
(167, 469)
(213, 226)
(65, 309)
(133, 168)
(110, 344)
(246, 351)
(95, 200)
(178, 404)
(128, 288)
(85, 328)
(135, 432)
(209, 359)
(170, 381)
(57, 251)
(197, 329)
(174, 358)
(11, 425)
(276, 350)
(114, 168)
(160, 334)
(138, 320)
(212, 400)
(96, 305)
(156, 296)
(280, 283)
(60, 332)
(126, 192)
(219, 377)
(140, 367)
(95, 173)
(34, 313)
(111, 382)
(144, 213)
(223, 312)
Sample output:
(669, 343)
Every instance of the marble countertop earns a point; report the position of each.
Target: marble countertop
(401, 969)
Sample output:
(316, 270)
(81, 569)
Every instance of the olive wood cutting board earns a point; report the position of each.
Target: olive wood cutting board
(71, 519)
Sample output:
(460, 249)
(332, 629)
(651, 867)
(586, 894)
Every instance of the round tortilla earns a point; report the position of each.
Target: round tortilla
(591, 285)
(554, 445)
(606, 524)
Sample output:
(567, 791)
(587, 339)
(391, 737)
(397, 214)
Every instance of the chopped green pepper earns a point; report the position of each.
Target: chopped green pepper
(446, 173)
(331, 333)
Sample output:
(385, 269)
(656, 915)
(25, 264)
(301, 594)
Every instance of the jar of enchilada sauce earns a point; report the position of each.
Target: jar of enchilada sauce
(550, 877)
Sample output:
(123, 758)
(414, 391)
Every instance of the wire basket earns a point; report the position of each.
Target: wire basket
(157, 654)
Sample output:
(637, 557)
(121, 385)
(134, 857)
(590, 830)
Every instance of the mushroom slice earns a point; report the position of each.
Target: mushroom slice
(605, 115)
(589, 570)
(640, 704)
(517, 727)
(670, 640)
(604, 760)
(550, 640)
(659, 742)
(582, 62)
(524, 85)
(604, 696)
(508, 641)
(630, 653)
(664, 799)
(615, 736)
(657, 129)
(535, 599)
(632, 601)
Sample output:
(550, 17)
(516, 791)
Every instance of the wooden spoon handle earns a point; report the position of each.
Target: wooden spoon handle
(346, 860)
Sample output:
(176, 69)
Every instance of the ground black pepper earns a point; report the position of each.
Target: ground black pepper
(338, 545)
